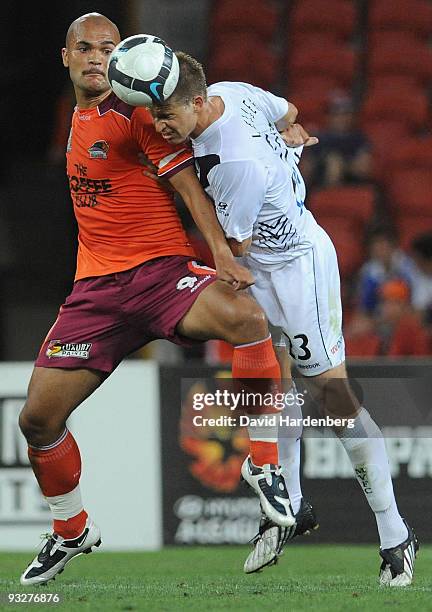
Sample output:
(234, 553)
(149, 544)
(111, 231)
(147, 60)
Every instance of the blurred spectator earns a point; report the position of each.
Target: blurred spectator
(361, 339)
(421, 249)
(343, 155)
(386, 262)
(400, 329)
(395, 331)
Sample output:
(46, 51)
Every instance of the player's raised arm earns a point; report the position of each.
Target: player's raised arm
(293, 133)
(202, 210)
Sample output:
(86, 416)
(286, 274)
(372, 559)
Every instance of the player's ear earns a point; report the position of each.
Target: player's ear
(65, 57)
(198, 103)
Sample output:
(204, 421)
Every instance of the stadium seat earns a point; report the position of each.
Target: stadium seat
(410, 191)
(411, 107)
(412, 60)
(339, 17)
(405, 15)
(347, 240)
(233, 63)
(385, 135)
(312, 109)
(355, 203)
(319, 85)
(256, 16)
(416, 153)
(396, 38)
(394, 83)
(308, 40)
(409, 227)
(338, 61)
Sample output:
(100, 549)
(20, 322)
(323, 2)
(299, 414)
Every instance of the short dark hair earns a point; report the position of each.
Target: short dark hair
(192, 80)
(422, 245)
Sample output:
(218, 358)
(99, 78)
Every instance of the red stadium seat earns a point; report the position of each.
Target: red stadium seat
(233, 63)
(319, 85)
(413, 153)
(348, 243)
(256, 16)
(412, 60)
(394, 83)
(411, 107)
(409, 227)
(406, 15)
(385, 135)
(396, 38)
(312, 109)
(307, 40)
(335, 61)
(338, 17)
(353, 203)
(410, 191)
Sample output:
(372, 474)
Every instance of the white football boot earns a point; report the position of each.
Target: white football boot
(57, 551)
(269, 484)
(397, 568)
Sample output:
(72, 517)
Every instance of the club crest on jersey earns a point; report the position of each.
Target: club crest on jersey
(57, 348)
(99, 150)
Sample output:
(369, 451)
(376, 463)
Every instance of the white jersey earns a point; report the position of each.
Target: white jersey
(253, 177)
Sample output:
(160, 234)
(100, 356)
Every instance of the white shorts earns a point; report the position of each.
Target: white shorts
(303, 305)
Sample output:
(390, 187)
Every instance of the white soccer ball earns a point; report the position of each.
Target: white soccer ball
(143, 70)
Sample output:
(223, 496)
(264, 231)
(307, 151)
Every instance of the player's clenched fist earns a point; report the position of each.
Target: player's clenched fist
(230, 271)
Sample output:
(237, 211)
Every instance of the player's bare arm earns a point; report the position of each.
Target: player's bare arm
(202, 211)
(239, 249)
(294, 133)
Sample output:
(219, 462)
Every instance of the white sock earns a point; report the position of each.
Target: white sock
(289, 444)
(366, 449)
(66, 506)
(391, 528)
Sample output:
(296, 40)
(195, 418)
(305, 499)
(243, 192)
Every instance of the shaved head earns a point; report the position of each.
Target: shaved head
(90, 40)
(89, 18)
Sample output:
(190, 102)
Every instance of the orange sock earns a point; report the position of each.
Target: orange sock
(263, 452)
(71, 528)
(57, 468)
(257, 362)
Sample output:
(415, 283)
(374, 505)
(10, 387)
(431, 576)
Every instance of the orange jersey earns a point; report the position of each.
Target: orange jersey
(124, 218)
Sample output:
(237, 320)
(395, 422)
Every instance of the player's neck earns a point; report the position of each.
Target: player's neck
(90, 102)
(211, 111)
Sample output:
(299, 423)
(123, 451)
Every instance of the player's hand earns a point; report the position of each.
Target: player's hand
(233, 273)
(295, 136)
(150, 171)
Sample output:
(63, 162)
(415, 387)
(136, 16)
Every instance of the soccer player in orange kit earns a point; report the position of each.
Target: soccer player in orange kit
(137, 280)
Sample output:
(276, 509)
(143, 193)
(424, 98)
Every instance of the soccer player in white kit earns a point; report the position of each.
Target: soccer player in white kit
(246, 167)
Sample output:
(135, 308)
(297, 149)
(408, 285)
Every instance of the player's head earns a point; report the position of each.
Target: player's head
(177, 118)
(90, 41)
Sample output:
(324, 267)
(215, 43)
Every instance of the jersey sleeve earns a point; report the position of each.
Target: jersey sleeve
(274, 107)
(168, 159)
(238, 189)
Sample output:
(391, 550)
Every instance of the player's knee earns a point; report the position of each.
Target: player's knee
(36, 426)
(248, 323)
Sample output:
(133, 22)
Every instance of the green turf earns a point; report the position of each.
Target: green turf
(320, 577)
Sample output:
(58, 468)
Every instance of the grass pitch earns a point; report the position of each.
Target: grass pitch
(313, 577)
